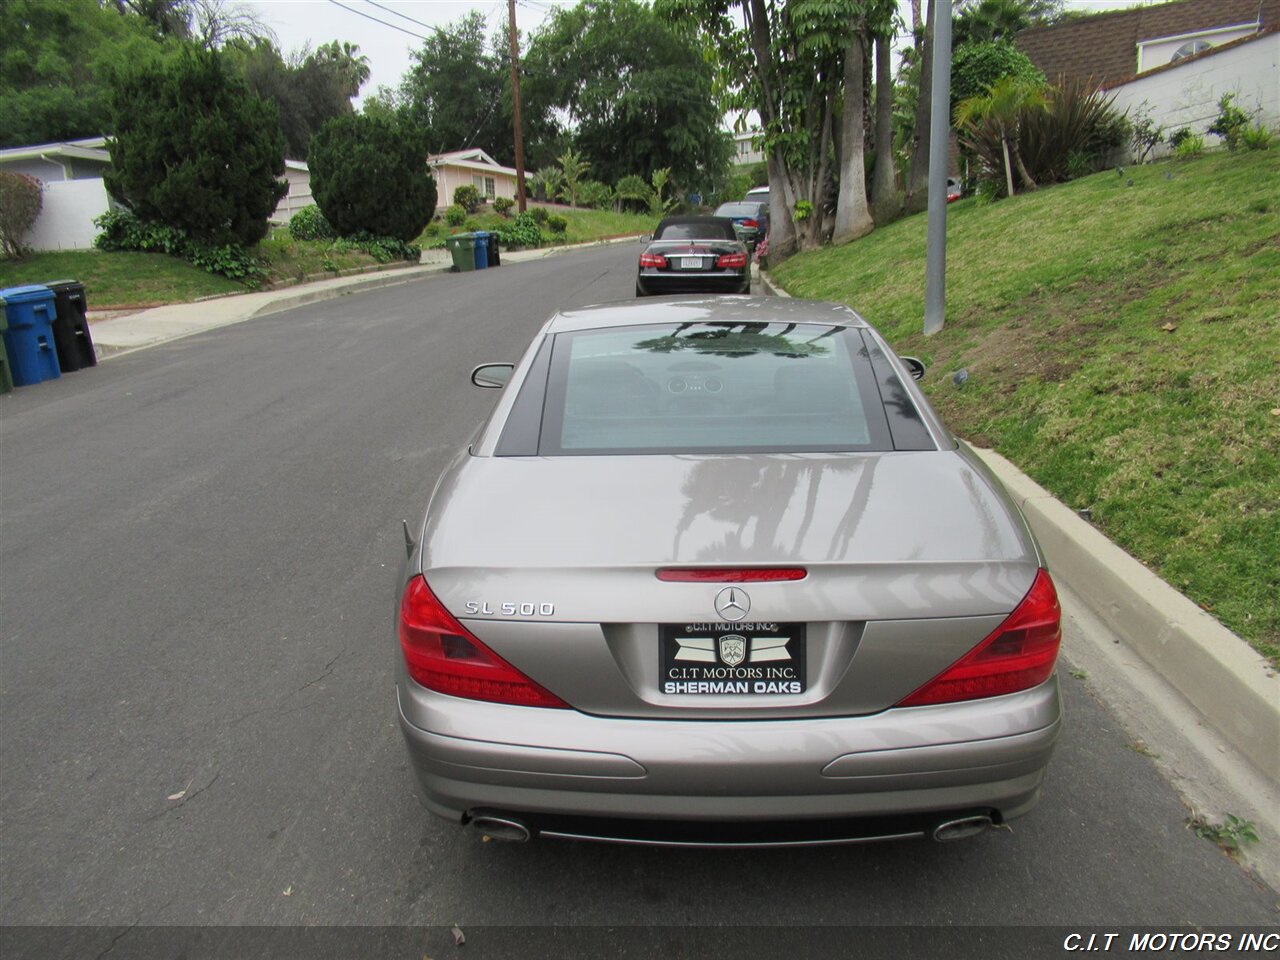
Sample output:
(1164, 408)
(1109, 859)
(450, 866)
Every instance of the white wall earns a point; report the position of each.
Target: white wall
(1186, 95)
(299, 196)
(66, 217)
(1158, 52)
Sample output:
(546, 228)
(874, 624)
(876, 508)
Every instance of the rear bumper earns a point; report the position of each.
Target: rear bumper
(985, 755)
(655, 283)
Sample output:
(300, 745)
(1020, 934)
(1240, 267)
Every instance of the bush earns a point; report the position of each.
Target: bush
(633, 193)
(454, 216)
(1256, 137)
(195, 149)
(122, 230)
(368, 175)
(522, 231)
(1231, 122)
(21, 198)
(1192, 145)
(383, 249)
(557, 224)
(468, 198)
(503, 205)
(539, 214)
(309, 224)
(976, 66)
(1075, 133)
(1179, 137)
(593, 193)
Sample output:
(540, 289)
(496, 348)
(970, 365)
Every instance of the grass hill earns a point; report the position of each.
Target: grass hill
(1121, 335)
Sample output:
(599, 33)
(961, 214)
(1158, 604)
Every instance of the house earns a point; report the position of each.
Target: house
(475, 167)
(746, 148)
(1112, 47)
(298, 177)
(1171, 61)
(74, 194)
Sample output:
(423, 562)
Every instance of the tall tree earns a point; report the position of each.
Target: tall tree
(885, 204)
(56, 65)
(983, 20)
(636, 91)
(454, 91)
(195, 149)
(917, 193)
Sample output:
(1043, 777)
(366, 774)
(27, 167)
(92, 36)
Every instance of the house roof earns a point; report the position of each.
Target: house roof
(1104, 46)
(91, 148)
(1202, 55)
(474, 159)
(296, 165)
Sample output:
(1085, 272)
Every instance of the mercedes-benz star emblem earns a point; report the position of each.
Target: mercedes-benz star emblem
(732, 603)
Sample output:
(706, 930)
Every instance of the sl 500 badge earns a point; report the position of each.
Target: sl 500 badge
(481, 608)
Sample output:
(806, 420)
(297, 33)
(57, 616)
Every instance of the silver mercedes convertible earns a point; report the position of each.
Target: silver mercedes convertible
(714, 574)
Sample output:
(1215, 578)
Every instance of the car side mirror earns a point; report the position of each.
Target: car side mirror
(914, 367)
(492, 375)
(648, 237)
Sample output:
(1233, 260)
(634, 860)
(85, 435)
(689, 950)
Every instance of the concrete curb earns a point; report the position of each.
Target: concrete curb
(310, 294)
(1230, 685)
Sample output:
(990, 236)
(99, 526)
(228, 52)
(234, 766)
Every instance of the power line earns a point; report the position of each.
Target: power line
(361, 13)
(403, 16)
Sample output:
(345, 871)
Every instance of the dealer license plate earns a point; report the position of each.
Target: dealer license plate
(731, 659)
(690, 263)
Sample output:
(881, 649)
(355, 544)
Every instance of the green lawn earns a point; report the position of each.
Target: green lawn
(119, 279)
(584, 225)
(1122, 340)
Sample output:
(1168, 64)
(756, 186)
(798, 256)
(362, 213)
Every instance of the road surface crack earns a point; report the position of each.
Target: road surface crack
(188, 798)
(328, 669)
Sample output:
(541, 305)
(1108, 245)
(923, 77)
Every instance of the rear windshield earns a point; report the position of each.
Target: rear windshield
(711, 388)
(696, 231)
(739, 210)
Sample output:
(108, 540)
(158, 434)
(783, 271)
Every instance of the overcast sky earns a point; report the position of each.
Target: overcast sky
(386, 31)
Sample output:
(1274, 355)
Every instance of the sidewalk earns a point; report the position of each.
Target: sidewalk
(121, 333)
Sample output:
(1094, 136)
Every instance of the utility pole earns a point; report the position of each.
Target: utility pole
(515, 104)
(935, 270)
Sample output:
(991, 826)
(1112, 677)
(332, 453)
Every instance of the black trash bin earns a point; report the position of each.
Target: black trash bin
(493, 249)
(71, 326)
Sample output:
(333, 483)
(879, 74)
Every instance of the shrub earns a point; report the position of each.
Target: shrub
(367, 175)
(122, 230)
(21, 198)
(454, 216)
(593, 193)
(1147, 134)
(975, 67)
(633, 193)
(1074, 132)
(522, 231)
(195, 149)
(1192, 145)
(384, 249)
(503, 205)
(1257, 137)
(468, 198)
(539, 214)
(309, 224)
(557, 224)
(1179, 137)
(1231, 122)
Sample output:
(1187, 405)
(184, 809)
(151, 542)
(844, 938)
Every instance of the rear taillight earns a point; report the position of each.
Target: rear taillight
(653, 260)
(1018, 655)
(750, 223)
(441, 655)
(732, 260)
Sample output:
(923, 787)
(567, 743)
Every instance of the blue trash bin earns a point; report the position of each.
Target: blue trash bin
(29, 342)
(482, 249)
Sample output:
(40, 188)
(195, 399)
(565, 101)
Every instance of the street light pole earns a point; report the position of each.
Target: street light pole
(515, 104)
(935, 279)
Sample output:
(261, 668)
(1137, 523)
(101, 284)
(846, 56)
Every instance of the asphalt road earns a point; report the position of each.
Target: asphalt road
(198, 549)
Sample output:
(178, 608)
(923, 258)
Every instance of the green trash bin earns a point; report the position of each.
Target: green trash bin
(463, 248)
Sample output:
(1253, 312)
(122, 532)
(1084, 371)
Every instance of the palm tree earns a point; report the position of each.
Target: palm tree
(574, 168)
(1004, 104)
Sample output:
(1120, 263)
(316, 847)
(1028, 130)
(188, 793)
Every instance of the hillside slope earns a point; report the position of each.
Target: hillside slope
(1121, 335)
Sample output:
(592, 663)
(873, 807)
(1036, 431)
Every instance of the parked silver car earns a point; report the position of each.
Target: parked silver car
(713, 573)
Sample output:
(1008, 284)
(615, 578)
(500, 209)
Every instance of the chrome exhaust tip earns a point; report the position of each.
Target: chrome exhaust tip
(962, 828)
(500, 828)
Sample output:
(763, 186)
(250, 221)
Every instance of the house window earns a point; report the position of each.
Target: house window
(1190, 49)
(490, 188)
